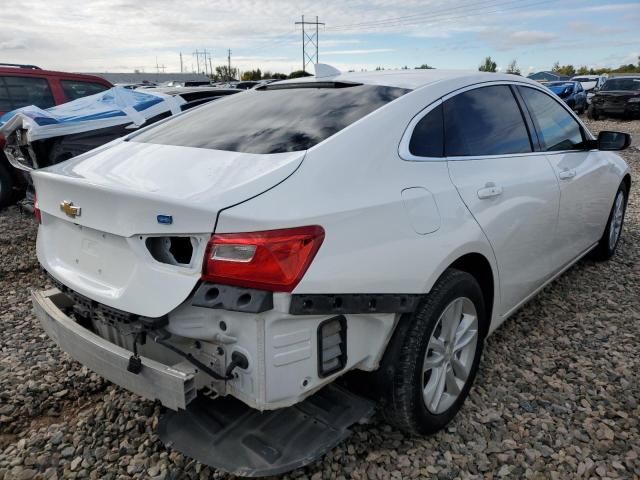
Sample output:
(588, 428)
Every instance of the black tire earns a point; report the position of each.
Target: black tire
(592, 113)
(404, 406)
(605, 250)
(7, 184)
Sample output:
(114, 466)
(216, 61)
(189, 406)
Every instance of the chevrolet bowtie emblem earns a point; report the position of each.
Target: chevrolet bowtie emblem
(68, 208)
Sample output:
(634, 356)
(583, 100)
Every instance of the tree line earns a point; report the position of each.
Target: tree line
(257, 74)
(488, 65)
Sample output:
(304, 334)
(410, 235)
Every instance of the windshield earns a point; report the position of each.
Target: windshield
(272, 121)
(622, 84)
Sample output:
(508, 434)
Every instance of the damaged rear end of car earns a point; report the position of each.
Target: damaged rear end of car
(154, 296)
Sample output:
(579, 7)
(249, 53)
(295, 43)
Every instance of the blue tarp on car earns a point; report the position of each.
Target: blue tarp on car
(116, 106)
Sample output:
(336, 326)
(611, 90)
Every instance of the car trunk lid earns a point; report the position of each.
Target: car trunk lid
(129, 193)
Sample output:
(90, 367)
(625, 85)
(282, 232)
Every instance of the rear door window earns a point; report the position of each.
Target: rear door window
(18, 92)
(557, 129)
(484, 121)
(74, 89)
(274, 119)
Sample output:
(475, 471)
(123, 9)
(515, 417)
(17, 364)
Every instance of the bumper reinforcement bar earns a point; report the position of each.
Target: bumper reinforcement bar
(173, 385)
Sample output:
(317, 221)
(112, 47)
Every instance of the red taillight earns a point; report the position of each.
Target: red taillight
(272, 260)
(36, 209)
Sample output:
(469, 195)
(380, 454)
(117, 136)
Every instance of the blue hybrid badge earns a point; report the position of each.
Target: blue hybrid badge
(165, 219)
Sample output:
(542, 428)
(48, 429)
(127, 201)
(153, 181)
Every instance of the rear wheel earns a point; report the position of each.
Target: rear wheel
(438, 356)
(6, 185)
(608, 243)
(592, 113)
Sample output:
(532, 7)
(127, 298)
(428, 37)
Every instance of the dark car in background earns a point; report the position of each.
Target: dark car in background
(23, 85)
(618, 96)
(571, 92)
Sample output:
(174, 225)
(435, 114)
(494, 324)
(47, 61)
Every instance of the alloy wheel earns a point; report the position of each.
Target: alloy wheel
(450, 355)
(616, 220)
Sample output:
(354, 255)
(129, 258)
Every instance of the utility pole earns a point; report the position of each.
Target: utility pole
(181, 62)
(159, 67)
(206, 54)
(197, 54)
(229, 61)
(307, 39)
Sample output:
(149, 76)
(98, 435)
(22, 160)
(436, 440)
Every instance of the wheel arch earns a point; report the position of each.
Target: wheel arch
(478, 266)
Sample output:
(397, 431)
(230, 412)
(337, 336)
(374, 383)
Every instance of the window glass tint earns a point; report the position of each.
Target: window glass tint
(484, 121)
(74, 89)
(5, 102)
(427, 139)
(621, 84)
(17, 92)
(271, 121)
(556, 127)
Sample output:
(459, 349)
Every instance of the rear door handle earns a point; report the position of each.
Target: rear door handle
(567, 174)
(490, 190)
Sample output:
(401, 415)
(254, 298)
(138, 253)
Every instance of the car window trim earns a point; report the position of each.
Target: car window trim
(403, 147)
(534, 135)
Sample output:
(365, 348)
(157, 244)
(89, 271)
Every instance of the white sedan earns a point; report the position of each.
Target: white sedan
(261, 247)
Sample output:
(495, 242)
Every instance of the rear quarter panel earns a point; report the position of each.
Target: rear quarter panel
(352, 186)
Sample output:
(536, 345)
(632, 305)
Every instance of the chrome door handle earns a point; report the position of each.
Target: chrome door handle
(567, 174)
(490, 190)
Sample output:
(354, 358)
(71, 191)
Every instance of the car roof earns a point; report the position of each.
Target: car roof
(591, 77)
(412, 79)
(184, 90)
(37, 72)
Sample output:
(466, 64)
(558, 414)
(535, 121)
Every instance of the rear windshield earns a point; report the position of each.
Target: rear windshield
(272, 121)
(622, 84)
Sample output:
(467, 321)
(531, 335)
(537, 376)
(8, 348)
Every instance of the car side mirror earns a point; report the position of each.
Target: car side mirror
(613, 141)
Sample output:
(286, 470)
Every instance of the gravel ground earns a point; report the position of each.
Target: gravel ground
(557, 395)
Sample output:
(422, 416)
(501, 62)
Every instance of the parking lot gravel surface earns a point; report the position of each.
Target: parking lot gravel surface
(557, 395)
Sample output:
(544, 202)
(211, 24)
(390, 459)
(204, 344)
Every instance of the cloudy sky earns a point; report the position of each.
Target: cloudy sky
(123, 35)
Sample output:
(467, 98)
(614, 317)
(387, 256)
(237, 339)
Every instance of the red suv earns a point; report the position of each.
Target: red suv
(22, 85)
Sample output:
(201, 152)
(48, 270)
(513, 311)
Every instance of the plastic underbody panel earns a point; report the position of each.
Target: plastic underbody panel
(226, 434)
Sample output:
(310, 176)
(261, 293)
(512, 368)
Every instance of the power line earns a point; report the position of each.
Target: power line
(479, 9)
(427, 13)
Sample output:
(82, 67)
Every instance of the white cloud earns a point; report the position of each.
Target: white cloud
(358, 52)
(120, 35)
(503, 39)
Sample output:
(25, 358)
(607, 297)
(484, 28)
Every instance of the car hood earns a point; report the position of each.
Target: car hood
(561, 91)
(589, 85)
